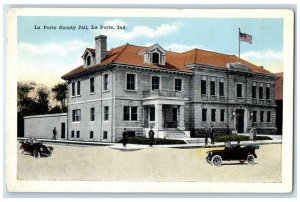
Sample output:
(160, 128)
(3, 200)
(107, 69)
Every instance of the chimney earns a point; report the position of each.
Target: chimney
(100, 47)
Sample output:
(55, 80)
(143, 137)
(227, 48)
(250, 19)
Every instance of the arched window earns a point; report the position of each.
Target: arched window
(88, 60)
(155, 58)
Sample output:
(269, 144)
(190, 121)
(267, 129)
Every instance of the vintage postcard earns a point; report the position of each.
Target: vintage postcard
(149, 100)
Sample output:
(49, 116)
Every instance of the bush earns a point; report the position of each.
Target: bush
(263, 138)
(225, 138)
(157, 141)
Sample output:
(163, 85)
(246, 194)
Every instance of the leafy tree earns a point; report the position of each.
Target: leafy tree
(23, 89)
(42, 100)
(60, 91)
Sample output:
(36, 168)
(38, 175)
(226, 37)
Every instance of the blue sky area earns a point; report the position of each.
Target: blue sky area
(49, 53)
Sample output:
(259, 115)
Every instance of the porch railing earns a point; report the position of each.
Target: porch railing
(162, 93)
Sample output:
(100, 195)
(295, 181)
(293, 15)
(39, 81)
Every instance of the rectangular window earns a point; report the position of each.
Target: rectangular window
(203, 87)
(253, 91)
(105, 82)
(222, 115)
(133, 113)
(239, 90)
(77, 134)
(104, 135)
(92, 85)
(152, 113)
(106, 113)
(261, 116)
(92, 114)
(78, 87)
(268, 116)
(178, 84)
(254, 116)
(267, 93)
(204, 114)
(221, 89)
(91, 134)
(73, 88)
(130, 84)
(155, 83)
(213, 114)
(76, 115)
(261, 92)
(126, 113)
(72, 134)
(212, 88)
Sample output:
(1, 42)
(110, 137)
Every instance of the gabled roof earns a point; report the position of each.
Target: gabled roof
(129, 55)
(279, 86)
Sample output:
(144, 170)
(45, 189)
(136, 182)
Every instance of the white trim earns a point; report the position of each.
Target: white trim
(160, 81)
(181, 84)
(135, 84)
(91, 93)
(108, 82)
(242, 90)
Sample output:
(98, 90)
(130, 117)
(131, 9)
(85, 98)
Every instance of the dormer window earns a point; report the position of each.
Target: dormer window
(155, 58)
(154, 54)
(88, 60)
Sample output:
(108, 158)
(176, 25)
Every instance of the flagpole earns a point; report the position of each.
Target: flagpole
(239, 42)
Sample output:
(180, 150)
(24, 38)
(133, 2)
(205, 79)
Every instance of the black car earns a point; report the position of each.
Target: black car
(232, 153)
(35, 148)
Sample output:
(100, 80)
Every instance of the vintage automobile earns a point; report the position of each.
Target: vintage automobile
(232, 152)
(35, 148)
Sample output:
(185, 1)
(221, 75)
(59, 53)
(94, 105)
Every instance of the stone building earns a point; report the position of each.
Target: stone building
(178, 94)
(279, 101)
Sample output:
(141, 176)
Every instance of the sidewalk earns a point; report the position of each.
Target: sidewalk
(198, 143)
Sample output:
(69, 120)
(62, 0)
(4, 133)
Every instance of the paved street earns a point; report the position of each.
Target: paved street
(71, 162)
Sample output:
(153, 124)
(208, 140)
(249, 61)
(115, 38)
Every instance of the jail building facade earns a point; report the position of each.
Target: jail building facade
(177, 94)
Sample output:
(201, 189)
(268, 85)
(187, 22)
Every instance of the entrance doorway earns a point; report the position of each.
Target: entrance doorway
(239, 120)
(63, 130)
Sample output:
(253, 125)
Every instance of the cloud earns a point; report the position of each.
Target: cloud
(270, 54)
(182, 47)
(59, 49)
(46, 63)
(139, 31)
(270, 59)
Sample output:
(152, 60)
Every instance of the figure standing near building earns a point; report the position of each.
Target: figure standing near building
(124, 137)
(151, 136)
(212, 135)
(206, 135)
(254, 133)
(54, 133)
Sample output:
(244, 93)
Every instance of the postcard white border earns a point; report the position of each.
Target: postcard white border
(14, 185)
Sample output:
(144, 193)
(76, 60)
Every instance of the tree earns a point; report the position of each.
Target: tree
(60, 91)
(26, 104)
(42, 100)
(23, 89)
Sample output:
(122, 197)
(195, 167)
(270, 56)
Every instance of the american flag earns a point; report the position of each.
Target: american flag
(245, 37)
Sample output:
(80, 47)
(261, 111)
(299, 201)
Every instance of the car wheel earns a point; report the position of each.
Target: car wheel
(50, 153)
(22, 149)
(216, 160)
(208, 159)
(250, 159)
(36, 154)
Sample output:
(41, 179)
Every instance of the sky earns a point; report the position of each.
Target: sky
(44, 55)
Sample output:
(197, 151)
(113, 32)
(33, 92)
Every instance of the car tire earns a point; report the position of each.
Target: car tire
(216, 160)
(36, 154)
(208, 159)
(50, 153)
(250, 159)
